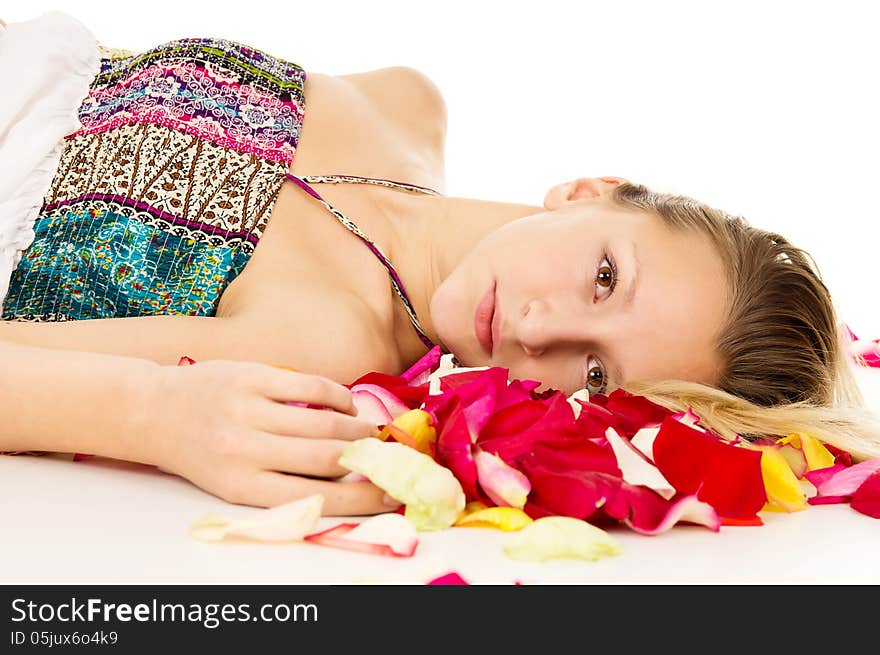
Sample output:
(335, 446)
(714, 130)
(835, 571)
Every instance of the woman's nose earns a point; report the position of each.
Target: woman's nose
(544, 325)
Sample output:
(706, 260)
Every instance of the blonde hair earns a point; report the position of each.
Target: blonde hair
(786, 368)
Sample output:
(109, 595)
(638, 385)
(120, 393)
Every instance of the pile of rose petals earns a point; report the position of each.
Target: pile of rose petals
(617, 458)
(471, 448)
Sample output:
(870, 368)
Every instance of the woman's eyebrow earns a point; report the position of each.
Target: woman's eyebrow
(632, 286)
(629, 295)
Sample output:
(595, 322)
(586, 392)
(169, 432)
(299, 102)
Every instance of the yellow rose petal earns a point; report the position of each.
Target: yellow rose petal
(783, 489)
(818, 456)
(508, 519)
(471, 507)
(417, 424)
(553, 537)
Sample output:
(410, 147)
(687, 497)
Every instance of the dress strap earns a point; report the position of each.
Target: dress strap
(356, 179)
(396, 283)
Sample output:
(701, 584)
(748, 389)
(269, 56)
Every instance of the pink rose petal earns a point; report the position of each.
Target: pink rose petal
(390, 535)
(863, 351)
(843, 482)
(418, 373)
(371, 408)
(392, 403)
(653, 518)
(451, 578)
(828, 500)
(504, 485)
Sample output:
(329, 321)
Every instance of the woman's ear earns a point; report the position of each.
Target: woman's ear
(582, 187)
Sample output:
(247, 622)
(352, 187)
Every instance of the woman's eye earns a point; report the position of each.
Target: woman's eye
(606, 276)
(596, 381)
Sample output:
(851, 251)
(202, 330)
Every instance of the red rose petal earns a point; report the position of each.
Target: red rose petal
(634, 412)
(753, 521)
(867, 497)
(727, 477)
(828, 500)
(455, 450)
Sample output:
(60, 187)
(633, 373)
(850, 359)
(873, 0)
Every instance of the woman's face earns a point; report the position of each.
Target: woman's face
(565, 318)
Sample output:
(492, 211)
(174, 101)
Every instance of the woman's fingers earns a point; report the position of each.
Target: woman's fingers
(340, 498)
(314, 457)
(278, 418)
(288, 386)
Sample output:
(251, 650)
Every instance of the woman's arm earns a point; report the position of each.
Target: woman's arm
(340, 341)
(161, 339)
(224, 426)
(73, 402)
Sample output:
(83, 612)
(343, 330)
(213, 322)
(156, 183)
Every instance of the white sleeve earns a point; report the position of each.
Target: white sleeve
(46, 67)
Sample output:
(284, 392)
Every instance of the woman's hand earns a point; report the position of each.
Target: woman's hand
(223, 425)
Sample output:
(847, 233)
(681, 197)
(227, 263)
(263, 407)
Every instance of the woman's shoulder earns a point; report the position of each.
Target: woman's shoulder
(408, 95)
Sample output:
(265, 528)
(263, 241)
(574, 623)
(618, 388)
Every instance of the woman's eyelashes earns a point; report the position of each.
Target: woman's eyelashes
(606, 276)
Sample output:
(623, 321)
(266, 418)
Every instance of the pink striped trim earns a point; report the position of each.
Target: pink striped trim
(278, 151)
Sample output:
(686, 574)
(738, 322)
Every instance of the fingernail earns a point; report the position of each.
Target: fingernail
(391, 502)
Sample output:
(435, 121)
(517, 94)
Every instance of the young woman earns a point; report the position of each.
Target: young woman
(220, 203)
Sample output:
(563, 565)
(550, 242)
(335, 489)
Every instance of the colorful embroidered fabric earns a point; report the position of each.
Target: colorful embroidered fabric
(161, 197)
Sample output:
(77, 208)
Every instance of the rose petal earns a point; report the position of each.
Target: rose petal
(795, 459)
(753, 521)
(394, 405)
(508, 519)
(471, 507)
(846, 481)
(820, 476)
(817, 456)
(288, 522)
(419, 372)
(455, 449)
(651, 518)
(644, 441)
(780, 483)
(186, 361)
(828, 500)
(451, 578)
(867, 497)
(418, 424)
(636, 468)
(635, 412)
(371, 408)
(863, 351)
(390, 535)
(504, 485)
(689, 418)
(561, 537)
(433, 497)
(726, 476)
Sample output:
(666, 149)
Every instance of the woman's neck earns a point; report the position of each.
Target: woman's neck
(431, 237)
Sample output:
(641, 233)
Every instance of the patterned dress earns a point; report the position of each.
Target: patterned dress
(162, 195)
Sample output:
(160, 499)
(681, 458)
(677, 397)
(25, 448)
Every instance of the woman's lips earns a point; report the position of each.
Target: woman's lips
(483, 320)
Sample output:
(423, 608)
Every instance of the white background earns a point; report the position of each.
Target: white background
(766, 109)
